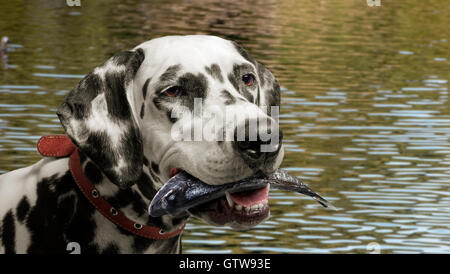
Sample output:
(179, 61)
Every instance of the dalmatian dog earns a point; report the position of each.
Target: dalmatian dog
(123, 117)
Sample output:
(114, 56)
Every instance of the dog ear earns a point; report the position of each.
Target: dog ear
(98, 117)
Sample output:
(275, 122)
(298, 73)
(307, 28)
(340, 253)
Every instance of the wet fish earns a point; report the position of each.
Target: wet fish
(184, 191)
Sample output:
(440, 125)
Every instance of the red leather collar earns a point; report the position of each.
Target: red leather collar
(62, 146)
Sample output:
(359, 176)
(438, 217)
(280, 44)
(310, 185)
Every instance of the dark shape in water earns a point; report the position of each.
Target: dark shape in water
(184, 191)
(4, 45)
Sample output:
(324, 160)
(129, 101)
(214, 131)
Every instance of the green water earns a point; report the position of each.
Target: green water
(365, 109)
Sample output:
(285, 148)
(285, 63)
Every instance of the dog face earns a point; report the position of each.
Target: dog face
(195, 103)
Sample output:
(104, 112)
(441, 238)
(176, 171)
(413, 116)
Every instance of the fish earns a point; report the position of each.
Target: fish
(184, 191)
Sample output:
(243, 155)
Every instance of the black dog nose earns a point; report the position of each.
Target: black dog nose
(250, 148)
(255, 149)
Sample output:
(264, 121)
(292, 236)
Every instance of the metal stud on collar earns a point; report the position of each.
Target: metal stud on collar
(137, 226)
(161, 232)
(113, 211)
(94, 193)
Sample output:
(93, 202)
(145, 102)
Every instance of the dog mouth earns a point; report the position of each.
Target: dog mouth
(242, 207)
(241, 210)
(244, 202)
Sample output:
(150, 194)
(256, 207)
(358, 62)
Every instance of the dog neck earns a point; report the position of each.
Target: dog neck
(133, 202)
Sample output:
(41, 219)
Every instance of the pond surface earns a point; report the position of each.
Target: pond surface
(365, 108)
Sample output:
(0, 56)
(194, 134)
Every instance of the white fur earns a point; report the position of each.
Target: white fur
(107, 233)
(109, 66)
(100, 121)
(22, 182)
(23, 238)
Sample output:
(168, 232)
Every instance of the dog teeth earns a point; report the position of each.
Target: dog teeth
(229, 200)
(247, 209)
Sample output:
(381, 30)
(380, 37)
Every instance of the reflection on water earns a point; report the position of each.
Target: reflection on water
(365, 109)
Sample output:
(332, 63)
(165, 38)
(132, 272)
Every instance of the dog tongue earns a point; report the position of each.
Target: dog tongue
(250, 197)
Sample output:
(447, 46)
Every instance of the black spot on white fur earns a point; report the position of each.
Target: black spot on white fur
(146, 187)
(93, 174)
(116, 95)
(47, 221)
(131, 59)
(146, 163)
(273, 96)
(154, 177)
(9, 233)
(126, 197)
(195, 86)
(142, 112)
(22, 209)
(155, 167)
(234, 81)
(79, 107)
(99, 148)
(262, 73)
(170, 73)
(215, 72)
(229, 99)
(111, 249)
(145, 87)
(243, 52)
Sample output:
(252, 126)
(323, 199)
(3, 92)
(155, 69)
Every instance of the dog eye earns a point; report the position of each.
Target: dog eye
(173, 91)
(248, 79)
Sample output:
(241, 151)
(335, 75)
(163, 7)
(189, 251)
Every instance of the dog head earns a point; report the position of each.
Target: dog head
(195, 103)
